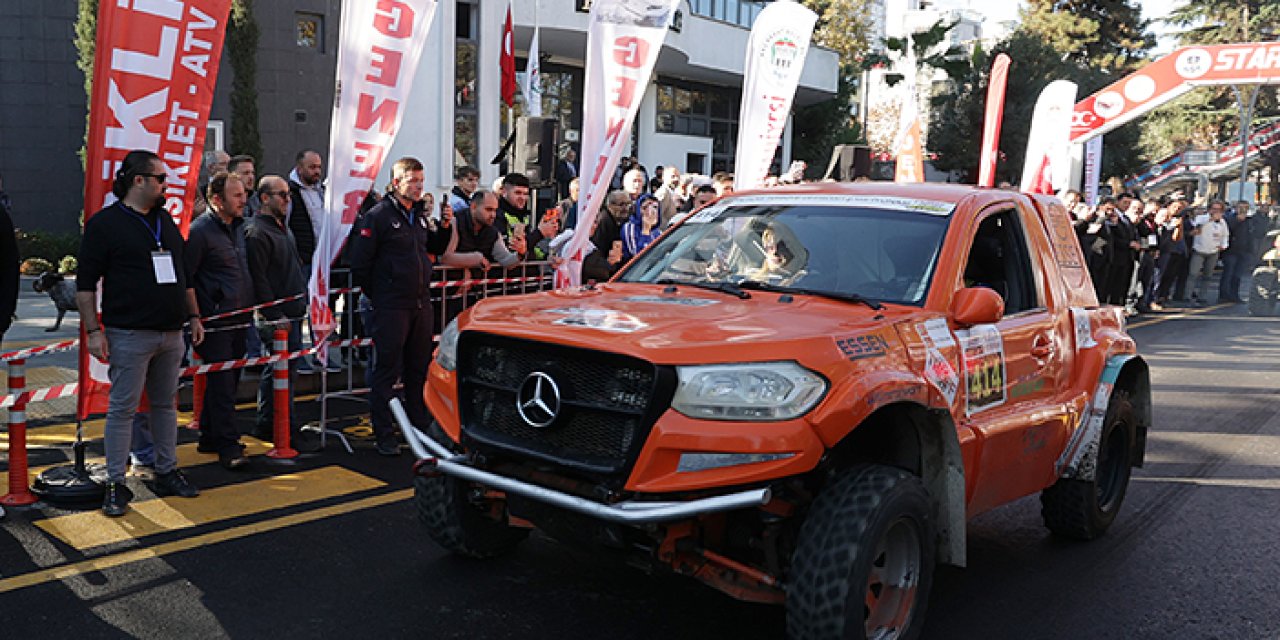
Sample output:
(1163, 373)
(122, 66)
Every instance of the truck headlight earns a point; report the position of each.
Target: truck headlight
(447, 355)
(758, 391)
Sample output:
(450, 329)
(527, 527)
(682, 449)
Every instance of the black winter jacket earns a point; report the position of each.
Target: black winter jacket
(389, 254)
(274, 267)
(217, 267)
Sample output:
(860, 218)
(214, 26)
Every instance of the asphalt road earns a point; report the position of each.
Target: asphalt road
(1193, 553)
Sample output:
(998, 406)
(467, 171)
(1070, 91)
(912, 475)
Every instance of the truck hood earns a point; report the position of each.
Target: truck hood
(687, 326)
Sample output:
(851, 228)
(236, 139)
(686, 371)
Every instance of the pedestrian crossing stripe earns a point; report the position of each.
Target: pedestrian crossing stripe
(89, 530)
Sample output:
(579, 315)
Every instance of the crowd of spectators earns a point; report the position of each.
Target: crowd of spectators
(1164, 251)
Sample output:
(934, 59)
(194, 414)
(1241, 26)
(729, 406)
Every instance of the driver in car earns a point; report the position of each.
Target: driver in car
(781, 264)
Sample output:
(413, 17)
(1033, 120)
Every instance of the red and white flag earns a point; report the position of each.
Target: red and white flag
(776, 52)
(381, 44)
(623, 42)
(508, 61)
(1047, 168)
(996, 86)
(154, 71)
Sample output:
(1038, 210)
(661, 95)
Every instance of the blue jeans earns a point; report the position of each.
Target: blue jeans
(142, 359)
(266, 399)
(143, 451)
(1233, 267)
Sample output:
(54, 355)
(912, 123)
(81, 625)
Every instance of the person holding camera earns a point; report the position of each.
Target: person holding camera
(389, 261)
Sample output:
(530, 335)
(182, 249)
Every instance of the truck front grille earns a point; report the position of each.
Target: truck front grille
(608, 402)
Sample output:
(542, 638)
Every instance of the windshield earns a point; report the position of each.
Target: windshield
(879, 253)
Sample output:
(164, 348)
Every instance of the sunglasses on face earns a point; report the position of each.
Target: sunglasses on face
(160, 177)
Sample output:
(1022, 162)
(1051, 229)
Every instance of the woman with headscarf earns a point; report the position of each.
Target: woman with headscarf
(642, 228)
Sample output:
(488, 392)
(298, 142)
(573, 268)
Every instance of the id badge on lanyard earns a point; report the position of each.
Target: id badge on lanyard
(162, 262)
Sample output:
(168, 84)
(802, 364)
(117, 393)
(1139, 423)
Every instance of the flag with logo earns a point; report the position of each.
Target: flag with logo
(380, 45)
(533, 79)
(153, 78)
(776, 52)
(1047, 168)
(623, 42)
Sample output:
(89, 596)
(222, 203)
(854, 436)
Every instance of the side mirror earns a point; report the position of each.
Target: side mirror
(976, 305)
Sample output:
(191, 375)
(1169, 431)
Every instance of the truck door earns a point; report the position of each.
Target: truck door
(1011, 369)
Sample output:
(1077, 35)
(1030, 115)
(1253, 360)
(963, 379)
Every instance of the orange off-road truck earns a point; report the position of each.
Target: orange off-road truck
(795, 396)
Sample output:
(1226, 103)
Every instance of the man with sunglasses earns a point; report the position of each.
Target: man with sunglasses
(136, 251)
(275, 271)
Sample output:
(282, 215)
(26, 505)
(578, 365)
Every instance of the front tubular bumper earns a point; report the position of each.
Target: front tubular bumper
(628, 513)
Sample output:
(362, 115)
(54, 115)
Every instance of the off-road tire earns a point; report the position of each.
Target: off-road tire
(453, 521)
(1262, 297)
(1084, 509)
(840, 543)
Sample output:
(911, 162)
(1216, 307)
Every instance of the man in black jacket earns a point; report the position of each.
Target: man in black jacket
(136, 251)
(219, 272)
(276, 273)
(306, 204)
(389, 262)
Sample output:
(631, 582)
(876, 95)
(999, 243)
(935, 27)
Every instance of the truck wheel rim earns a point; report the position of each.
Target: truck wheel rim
(894, 580)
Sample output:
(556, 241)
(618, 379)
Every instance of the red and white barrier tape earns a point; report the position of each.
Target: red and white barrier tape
(227, 365)
(265, 305)
(23, 354)
(40, 395)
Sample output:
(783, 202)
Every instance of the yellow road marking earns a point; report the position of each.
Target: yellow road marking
(65, 432)
(186, 544)
(91, 529)
(1175, 316)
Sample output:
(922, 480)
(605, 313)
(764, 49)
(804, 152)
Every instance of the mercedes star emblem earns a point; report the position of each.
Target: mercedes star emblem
(538, 400)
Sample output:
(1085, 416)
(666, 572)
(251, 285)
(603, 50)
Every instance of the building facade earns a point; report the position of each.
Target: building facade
(688, 117)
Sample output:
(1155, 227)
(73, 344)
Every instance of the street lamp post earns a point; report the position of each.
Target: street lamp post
(1246, 122)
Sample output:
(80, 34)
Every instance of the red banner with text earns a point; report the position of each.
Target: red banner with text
(154, 71)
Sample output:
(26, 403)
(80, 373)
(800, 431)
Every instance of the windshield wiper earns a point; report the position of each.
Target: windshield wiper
(722, 287)
(834, 295)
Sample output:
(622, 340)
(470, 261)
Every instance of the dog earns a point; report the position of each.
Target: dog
(62, 292)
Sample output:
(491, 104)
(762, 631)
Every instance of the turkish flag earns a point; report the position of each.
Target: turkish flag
(508, 62)
(1043, 182)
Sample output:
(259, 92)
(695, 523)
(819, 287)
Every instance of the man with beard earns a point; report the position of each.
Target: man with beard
(276, 273)
(389, 261)
(136, 251)
(219, 272)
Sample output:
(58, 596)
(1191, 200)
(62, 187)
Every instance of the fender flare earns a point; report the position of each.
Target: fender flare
(1080, 457)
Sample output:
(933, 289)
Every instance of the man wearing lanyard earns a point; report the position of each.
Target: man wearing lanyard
(135, 249)
(389, 263)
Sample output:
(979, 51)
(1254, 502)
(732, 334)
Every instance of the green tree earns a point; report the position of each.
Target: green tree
(955, 133)
(242, 48)
(1209, 117)
(86, 43)
(1105, 34)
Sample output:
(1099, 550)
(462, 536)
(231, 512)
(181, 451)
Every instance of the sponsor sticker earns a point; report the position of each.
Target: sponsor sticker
(683, 302)
(862, 347)
(939, 372)
(982, 351)
(1084, 331)
(600, 319)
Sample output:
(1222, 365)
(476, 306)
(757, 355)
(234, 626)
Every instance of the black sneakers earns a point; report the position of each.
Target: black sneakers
(233, 459)
(116, 502)
(174, 484)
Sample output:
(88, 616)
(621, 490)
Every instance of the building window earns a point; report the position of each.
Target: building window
(700, 110)
(740, 12)
(310, 31)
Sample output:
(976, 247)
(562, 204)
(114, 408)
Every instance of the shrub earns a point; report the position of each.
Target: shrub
(47, 246)
(67, 265)
(35, 266)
